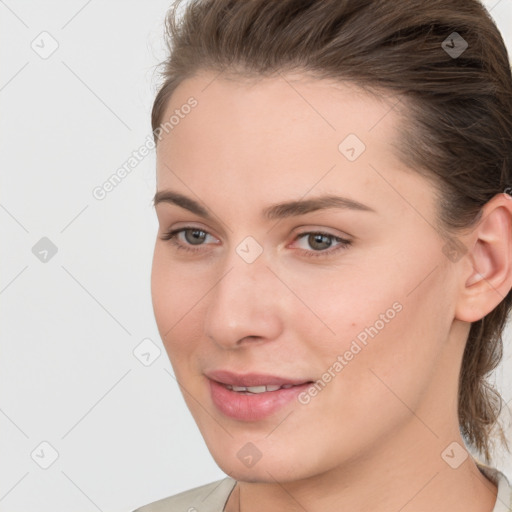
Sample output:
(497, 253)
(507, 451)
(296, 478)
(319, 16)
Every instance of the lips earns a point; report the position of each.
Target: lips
(252, 397)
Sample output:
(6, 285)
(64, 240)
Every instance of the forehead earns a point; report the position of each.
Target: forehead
(265, 106)
(287, 133)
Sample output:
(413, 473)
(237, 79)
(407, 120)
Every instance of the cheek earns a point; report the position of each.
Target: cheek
(172, 294)
(385, 315)
(179, 296)
(390, 343)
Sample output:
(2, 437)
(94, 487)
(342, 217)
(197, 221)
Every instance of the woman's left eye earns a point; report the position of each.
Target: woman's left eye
(318, 240)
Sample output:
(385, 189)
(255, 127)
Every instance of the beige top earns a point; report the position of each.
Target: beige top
(212, 497)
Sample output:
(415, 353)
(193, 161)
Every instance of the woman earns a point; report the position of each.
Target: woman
(333, 266)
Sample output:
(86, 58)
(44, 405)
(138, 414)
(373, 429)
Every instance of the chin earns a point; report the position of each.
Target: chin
(263, 471)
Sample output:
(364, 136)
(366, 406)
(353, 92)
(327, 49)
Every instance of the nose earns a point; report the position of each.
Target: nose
(245, 305)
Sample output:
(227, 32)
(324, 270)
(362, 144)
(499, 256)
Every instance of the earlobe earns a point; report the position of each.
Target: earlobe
(489, 278)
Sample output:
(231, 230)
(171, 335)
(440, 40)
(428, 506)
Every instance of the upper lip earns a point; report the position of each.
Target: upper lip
(251, 379)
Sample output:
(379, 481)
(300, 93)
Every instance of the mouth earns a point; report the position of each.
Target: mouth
(252, 397)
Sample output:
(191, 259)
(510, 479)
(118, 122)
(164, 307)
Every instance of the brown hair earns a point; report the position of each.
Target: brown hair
(457, 131)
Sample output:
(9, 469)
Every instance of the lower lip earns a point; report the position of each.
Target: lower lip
(255, 406)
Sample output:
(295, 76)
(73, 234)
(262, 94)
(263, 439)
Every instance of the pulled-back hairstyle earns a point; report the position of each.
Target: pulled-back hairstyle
(457, 127)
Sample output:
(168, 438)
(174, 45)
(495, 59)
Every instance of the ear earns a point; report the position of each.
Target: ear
(486, 268)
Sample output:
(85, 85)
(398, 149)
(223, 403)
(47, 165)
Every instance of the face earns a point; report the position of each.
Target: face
(350, 300)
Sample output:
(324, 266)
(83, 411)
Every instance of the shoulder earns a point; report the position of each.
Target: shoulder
(205, 498)
(504, 497)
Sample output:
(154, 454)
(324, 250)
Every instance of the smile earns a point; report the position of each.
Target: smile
(257, 389)
(254, 403)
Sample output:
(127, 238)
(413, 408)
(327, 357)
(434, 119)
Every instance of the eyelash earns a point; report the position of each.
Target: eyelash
(343, 243)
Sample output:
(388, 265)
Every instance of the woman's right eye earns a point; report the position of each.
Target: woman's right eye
(197, 236)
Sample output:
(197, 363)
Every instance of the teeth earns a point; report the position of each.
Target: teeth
(257, 389)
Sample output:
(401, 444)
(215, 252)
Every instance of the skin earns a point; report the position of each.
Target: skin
(372, 438)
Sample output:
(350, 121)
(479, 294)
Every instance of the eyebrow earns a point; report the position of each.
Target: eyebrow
(275, 211)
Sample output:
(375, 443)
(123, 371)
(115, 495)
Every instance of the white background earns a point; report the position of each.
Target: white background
(68, 375)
